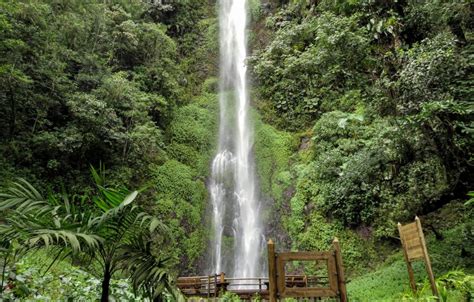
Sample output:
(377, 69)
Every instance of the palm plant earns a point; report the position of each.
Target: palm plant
(31, 221)
(114, 231)
(128, 233)
(34, 220)
(148, 273)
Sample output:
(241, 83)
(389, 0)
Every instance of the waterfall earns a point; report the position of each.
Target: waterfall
(233, 185)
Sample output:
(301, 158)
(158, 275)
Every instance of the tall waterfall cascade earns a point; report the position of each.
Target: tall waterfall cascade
(233, 186)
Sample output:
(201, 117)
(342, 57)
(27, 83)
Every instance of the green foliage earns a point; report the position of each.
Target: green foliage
(310, 64)
(390, 283)
(211, 85)
(380, 92)
(385, 86)
(431, 70)
(33, 220)
(180, 206)
(116, 233)
(110, 83)
(255, 9)
(453, 286)
(363, 173)
(471, 198)
(84, 83)
(180, 15)
(456, 280)
(385, 284)
(432, 87)
(454, 247)
(62, 282)
(230, 297)
(192, 133)
(273, 150)
(180, 181)
(312, 232)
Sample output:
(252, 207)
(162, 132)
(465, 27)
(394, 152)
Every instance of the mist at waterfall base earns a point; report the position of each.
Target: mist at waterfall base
(237, 234)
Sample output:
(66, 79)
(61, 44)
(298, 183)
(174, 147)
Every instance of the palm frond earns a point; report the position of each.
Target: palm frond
(23, 197)
(150, 275)
(36, 233)
(98, 175)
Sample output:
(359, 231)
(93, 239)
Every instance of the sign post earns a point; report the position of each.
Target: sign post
(414, 248)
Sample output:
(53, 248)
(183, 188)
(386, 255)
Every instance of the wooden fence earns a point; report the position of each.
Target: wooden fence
(333, 287)
(279, 284)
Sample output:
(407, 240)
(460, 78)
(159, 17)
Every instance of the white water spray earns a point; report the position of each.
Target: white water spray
(233, 183)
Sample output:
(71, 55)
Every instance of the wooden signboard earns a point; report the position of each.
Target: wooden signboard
(281, 285)
(414, 248)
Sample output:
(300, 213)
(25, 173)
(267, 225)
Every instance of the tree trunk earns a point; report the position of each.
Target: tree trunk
(106, 284)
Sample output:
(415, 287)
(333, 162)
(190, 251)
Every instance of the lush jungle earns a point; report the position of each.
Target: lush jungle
(363, 115)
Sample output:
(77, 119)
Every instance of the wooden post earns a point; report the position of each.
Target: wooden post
(411, 274)
(222, 277)
(272, 274)
(341, 279)
(426, 257)
(208, 287)
(216, 293)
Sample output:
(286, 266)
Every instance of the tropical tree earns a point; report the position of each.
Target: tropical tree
(107, 228)
(128, 234)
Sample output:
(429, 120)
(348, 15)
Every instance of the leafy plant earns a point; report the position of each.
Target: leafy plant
(471, 199)
(117, 233)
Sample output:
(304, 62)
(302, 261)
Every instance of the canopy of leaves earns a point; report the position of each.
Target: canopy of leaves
(83, 83)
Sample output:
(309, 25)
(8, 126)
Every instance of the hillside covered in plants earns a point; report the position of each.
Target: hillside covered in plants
(362, 113)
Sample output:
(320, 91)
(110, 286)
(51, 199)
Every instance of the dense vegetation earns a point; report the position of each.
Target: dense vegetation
(378, 95)
(363, 117)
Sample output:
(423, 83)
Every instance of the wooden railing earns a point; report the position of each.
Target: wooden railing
(212, 286)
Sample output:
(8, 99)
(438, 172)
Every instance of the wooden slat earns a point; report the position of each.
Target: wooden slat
(415, 242)
(308, 292)
(411, 227)
(302, 256)
(415, 254)
(411, 230)
(411, 236)
(414, 249)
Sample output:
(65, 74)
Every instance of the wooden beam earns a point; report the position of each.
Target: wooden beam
(304, 256)
(272, 274)
(341, 279)
(309, 293)
(434, 289)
